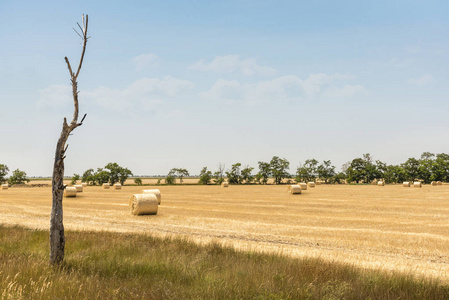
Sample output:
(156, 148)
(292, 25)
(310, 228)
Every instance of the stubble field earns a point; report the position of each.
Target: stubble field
(391, 227)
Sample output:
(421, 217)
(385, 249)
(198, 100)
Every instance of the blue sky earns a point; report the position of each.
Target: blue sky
(196, 83)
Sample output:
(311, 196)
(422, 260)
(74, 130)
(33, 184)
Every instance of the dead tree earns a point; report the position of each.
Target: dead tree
(57, 239)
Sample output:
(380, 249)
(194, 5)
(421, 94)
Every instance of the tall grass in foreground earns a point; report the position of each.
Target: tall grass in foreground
(124, 266)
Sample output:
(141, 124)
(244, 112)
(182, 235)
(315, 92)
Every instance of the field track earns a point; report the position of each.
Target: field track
(390, 227)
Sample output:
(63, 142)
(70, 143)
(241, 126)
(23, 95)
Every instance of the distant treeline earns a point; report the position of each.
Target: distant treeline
(429, 167)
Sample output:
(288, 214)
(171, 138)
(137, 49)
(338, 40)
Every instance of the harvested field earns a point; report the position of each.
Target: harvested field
(390, 228)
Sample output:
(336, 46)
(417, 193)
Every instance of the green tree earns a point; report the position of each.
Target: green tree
(308, 172)
(205, 176)
(246, 174)
(440, 167)
(18, 177)
(219, 174)
(234, 175)
(3, 171)
(75, 177)
(362, 169)
(117, 173)
(101, 176)
(264, 172)
(170, 179)
(138, 181)
(411, 169)
(279, 167)
(338, 178)
(425, 166)
(182, 173)
(326, 171)
(88, 177)
(178, 172)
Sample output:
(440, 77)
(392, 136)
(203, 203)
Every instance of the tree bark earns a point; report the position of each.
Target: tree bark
(57, 238)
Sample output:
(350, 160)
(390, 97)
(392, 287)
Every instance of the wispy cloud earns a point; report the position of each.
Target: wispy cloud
(423, 80)
(144, 61)
(233, 64)
(143, 94)
(285, 88)
(55, 95)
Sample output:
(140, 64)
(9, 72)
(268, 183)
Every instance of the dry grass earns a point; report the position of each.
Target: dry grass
(392, 228)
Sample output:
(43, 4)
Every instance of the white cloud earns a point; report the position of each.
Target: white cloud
(224, 90)
(285, 88)
(143, 94)
(55, 95)
(145, 60)
(233, 64)
(423, 80)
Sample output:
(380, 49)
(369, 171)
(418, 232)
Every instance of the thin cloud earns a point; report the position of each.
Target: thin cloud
(143, 94)
(144, 61)
(423, 80)
(285, 88)
(55, 95)
(233, 64)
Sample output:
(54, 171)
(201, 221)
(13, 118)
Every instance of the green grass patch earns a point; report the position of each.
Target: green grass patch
(102, 265)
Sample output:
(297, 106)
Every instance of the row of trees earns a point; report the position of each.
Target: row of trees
(17, 177)
(429, 167)
(111, 173)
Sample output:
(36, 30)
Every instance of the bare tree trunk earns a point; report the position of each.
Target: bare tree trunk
(57, 238)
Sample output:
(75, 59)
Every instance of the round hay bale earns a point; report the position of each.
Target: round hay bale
(79, 188)
(417, 184)
(318, 182)
(381, 183)
(303, 185)
(155, 192)
(117, 186)
(295, 189)
(406, 184)
(439, 183)
(311, 184)
(225, 184)
(106, 186)
(143, 204)
(434, 183)
(5, 186)
(84, 184)
(70, 191)
(374, 182)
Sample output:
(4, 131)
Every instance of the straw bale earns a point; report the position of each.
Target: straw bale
(117, 186)
(143, 204)
(311, 184)
(381, 183)
(79, 188)
(434, 183)
(84, 184)
(5, 186)
(318, 182)
(417, 184)
(406, 184)
(374, 182)
(295, 189)
(70, 191)
(225, 184)
(303, 185)
(155, 192)
(106, 186)
(439, 183)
